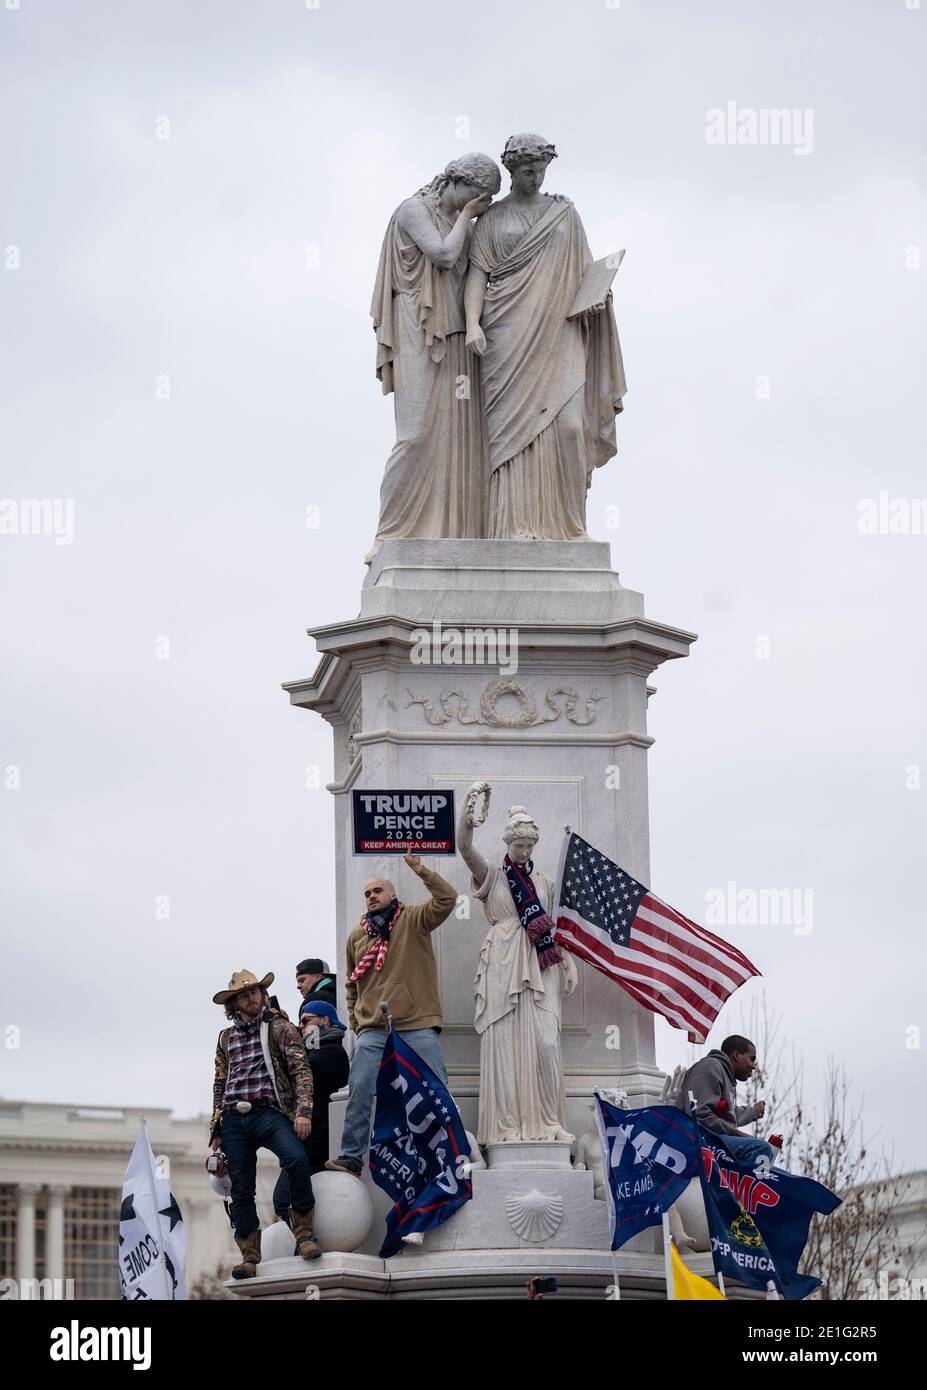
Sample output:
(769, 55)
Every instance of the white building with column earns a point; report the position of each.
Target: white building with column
(61, 1172)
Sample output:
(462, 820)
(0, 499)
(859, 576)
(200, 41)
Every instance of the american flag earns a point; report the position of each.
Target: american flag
(670, 965)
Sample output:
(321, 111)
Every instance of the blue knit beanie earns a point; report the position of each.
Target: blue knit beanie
(321, 1008)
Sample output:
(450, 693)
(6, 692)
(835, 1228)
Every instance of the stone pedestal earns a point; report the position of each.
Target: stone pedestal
(528, 1154)
(565, 734)
(559, 724)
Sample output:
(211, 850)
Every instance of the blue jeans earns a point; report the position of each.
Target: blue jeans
(748, 1150)
(242, 1136)
(362, 1082)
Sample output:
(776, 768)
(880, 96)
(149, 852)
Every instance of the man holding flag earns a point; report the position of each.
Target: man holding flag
(712, 1082)
(758, 1224)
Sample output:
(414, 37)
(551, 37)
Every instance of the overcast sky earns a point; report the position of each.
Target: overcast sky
(771, 311)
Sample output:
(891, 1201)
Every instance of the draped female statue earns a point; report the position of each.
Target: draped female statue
(518, 986)
(552, 385)
(435, 479)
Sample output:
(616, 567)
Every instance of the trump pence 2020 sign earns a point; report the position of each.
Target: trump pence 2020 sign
(404, 822)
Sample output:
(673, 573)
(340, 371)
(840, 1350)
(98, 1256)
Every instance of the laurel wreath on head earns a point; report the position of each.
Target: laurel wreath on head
(474, 817)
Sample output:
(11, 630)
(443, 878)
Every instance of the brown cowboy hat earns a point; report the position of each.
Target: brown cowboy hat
(242, 979)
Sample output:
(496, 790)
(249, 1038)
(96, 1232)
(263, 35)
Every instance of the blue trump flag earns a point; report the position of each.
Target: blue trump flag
(758, 1218)
(651, 1155)
(418, 1147)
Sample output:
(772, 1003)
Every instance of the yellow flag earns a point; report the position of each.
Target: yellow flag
(687, 1285)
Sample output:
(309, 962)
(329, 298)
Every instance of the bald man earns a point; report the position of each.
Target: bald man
(390, 958)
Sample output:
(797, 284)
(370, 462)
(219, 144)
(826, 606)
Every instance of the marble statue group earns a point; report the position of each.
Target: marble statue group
(497, 340)
(505, 389)
(496, 337)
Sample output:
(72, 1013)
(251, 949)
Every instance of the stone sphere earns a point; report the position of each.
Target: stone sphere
(343, 1211)
(692, 1210)
(277, 1242)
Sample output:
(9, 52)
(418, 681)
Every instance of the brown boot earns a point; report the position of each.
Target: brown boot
(250, 1247)
(301, 1226)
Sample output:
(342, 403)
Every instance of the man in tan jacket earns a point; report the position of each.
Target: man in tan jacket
(390, 959)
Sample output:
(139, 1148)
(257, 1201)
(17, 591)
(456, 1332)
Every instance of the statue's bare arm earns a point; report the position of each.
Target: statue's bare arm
(468, 851)
(474, 299)
(415, 221)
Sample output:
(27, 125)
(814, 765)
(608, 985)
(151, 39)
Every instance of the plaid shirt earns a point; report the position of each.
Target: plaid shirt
(248, 1077)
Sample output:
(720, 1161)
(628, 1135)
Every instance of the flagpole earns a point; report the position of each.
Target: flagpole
(610, 1205)
(168, 1287)
(668, 1257)
(693, 1115)
(558, 881)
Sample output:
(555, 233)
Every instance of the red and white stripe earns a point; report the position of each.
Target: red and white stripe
(672, 966)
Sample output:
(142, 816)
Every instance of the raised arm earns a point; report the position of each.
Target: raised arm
(430, 915)
(474, 298)
(466, 848)
(442, 251)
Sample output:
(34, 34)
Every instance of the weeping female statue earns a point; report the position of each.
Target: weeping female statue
(518, 986)
(552, 374)
(436, 476)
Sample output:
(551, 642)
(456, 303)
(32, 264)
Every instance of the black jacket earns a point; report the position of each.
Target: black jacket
(329, 1064)
(326, 989)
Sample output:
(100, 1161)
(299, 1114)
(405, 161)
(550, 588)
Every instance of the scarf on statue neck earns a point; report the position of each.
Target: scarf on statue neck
(531, 914)
(378, 926)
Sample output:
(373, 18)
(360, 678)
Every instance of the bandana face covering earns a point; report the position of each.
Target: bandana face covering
(378, 926)
(536, 922)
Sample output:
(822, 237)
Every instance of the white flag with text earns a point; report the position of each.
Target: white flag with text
(150, 1226)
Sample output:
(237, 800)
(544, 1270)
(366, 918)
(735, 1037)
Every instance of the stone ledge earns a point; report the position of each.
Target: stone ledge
(487, 1274)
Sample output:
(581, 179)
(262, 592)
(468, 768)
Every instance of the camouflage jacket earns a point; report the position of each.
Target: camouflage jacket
(290, 1071)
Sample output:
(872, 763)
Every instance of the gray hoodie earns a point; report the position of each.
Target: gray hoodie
(712, 1079)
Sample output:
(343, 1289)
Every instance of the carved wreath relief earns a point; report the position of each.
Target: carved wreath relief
(525, 717)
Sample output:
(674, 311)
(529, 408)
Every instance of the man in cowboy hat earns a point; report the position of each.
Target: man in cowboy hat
(262, 1098)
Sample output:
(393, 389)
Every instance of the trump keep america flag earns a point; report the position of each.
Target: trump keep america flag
(670, 965)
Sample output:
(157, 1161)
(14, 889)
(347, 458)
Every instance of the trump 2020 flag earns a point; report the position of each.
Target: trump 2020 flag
(419, 1150)
(650, 1157)
(150, 1224)
(758, 1219)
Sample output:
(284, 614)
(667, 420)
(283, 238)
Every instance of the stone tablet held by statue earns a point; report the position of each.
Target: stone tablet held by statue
(596, 283)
